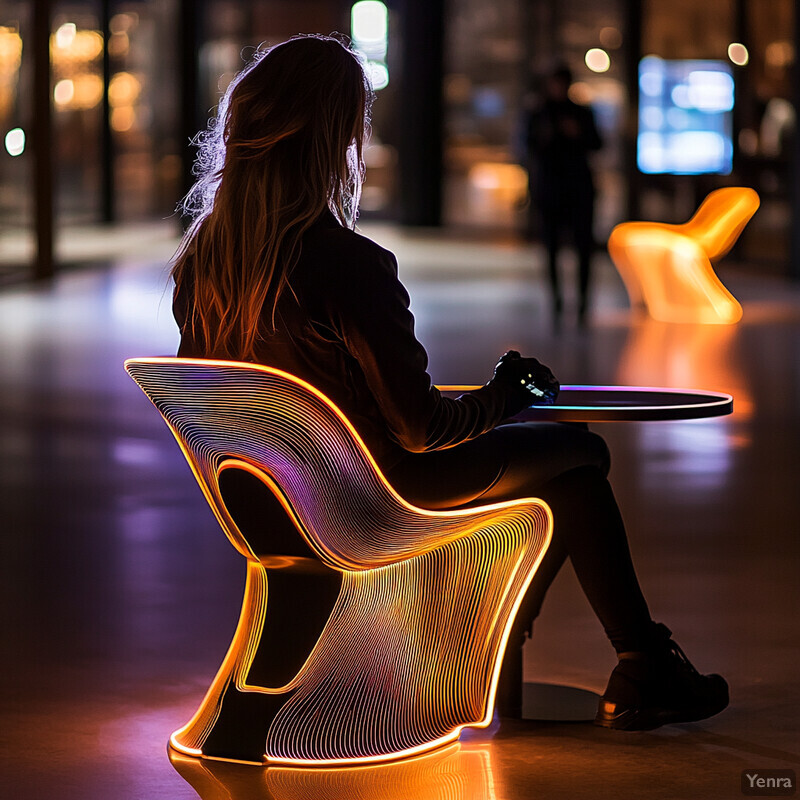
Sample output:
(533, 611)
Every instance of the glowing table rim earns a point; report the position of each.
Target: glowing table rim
(718, 404)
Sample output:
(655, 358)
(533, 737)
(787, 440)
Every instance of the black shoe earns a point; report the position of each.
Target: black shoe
(659, 687)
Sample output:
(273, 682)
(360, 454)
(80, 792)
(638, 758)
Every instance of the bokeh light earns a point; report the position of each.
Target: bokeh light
(611, 38)
(15, 142)
(63, 92)
(597, 60)
(737, 53)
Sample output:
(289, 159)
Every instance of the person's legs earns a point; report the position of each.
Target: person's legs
(582, 226)
(551, 225)
(566, 466)
(588, 529)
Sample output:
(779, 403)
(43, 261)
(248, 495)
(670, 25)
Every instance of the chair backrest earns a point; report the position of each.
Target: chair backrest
(229, 414)
(247, 415)
(720, 219)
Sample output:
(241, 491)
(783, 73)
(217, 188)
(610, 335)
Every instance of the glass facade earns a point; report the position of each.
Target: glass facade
(76, 61)
(16, 163)
(143, 113)
(120, 73)
(498, 58)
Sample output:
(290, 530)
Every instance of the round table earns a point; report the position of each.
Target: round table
(629, 404)
(576, 403)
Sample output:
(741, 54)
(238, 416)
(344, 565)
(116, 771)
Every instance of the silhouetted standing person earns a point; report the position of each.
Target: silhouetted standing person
(560, 136)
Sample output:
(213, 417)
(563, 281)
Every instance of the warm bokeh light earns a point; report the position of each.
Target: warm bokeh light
(123, 118)
(737, 53)
(597, 60)
(778, 55)
(65, 35)
(63, 92)
(124, 89)
(15, 142)
(119, 45)
(611, 38)
(10, 60)
(10, 49)
(88, 90)
(78, 83)
(83, 92)
(71, 45)
(507, 183)
(122, 23)
(581, 93)
(667, 268)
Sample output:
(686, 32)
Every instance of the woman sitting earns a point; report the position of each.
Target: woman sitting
(271, 271)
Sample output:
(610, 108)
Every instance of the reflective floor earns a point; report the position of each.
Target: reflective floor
(119, 593)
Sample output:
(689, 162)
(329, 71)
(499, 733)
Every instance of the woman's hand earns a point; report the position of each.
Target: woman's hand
(528, 382)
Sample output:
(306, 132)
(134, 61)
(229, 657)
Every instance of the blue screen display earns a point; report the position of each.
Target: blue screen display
(685, 117)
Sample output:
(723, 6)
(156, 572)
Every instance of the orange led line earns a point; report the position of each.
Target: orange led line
(412, 647)
(667, 268)
(451, 772)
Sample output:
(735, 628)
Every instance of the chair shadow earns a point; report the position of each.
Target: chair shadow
(550, 702)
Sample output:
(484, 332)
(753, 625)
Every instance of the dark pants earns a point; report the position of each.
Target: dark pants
(566, 466)
(568, 211)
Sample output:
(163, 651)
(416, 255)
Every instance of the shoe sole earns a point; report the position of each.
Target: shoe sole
(631, 719)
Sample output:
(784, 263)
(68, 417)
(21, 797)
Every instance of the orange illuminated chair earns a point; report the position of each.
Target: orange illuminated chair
(667, 268)
(370, 629)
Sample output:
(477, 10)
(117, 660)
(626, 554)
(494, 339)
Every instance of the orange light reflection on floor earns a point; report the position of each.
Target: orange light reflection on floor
(663, 354)
(667, 268)
(450, 773)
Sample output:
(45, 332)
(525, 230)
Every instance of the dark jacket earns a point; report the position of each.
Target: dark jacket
(345, 328)
(560, 136)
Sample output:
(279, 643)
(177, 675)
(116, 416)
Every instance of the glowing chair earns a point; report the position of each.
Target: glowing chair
(668, 268)
(369, 629)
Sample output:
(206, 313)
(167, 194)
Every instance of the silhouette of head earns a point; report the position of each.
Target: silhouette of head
(558, 82)
(286, 144)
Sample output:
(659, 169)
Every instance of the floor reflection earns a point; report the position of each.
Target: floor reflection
(451, 773)
(696, 456)
(686, 356)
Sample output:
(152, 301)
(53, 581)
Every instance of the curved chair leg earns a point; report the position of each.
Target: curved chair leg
(270, 646)
(402, 663)
(191, 738)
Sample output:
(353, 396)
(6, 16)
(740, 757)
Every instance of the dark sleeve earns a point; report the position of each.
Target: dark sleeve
(370, 312)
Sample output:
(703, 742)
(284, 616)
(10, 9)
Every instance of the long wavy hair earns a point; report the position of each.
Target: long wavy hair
(285, 146)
